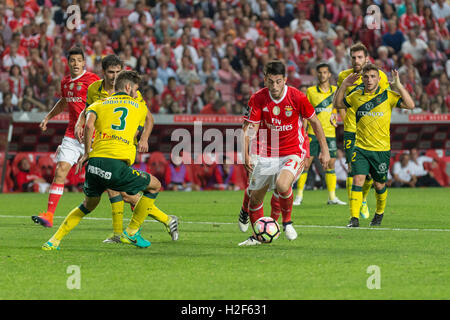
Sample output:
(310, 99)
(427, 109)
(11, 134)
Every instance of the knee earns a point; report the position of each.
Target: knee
(283, 187)
(154, 186)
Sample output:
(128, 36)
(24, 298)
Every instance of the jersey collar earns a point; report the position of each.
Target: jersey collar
(120, 93)
(281, 99)
(376, 91)
(320, 91)
(73, 79)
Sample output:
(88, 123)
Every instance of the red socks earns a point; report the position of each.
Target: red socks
(246, 200)
(275, 206)
(286, 201)
(255, 212)
(56, 191)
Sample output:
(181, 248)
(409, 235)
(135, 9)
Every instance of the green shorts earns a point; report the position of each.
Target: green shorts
(314, 146)
(105, 173)
(374, 162)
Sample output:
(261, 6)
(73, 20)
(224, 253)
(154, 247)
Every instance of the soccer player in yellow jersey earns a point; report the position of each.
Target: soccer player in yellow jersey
(115, 121)
(321, 96)
(359, 58)
(372, 107)
(98, 90)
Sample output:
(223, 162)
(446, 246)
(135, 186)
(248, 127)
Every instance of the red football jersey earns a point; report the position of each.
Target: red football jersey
(75, 93)
(281, 131)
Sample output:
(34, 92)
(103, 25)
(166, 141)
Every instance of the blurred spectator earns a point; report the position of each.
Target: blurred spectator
(226, 74)
(441, 9)
(177, 176)
(415, 47)
(7, 106)
(27, 181)
(387, 63)
(164, 71)
(155, 81)
(187, 74)
(191, 102)
(216, 107)
(424, 177)
(403, 173)
(16, 80)
(394, 38)
(339, 62)
(13, 57)
(282, 17)
(293, 78)
(30, 102)
(151, 98)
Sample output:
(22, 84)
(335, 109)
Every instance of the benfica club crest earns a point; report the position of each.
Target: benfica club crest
(288, 111)
(79, 86)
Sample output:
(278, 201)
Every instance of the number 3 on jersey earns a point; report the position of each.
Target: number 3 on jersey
(124, 113)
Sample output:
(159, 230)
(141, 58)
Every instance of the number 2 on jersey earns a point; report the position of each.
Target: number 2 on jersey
(122, 118)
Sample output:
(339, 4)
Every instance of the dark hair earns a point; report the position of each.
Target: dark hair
(323, 65)
(275, 67)
(126, 76)
(111, 60)
(368, 67)
(74, 51)
(359, 47)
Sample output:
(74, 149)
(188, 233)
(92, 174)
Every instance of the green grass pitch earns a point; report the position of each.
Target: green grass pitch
(410, 251)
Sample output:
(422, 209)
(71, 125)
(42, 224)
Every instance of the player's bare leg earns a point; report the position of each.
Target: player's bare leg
(284, 189)
(56, 191)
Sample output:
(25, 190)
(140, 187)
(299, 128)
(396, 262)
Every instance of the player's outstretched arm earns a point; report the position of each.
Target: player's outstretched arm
(79, 126)
(148, 127)
(87, 139)
(249, 132)
(324, 156)
(407, 101)
(342, 112)
(57, 109)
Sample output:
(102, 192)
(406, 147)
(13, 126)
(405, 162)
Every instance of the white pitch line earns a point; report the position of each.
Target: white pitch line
(232, 223)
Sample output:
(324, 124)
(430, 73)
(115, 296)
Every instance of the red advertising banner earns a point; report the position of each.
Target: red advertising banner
(208, 118)
(429, 117)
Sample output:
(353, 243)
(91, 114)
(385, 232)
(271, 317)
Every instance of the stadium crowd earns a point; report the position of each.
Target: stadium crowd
(203, 56)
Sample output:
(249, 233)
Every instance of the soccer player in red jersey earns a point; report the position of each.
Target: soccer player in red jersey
(73, 96)
(278, 111)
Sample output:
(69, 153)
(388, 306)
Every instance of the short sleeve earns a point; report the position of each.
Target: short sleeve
(305, 107)
(89, 96)
(253, 113)
(395, 99)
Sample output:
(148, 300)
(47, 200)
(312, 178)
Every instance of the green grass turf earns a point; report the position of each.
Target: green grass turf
(327, 261)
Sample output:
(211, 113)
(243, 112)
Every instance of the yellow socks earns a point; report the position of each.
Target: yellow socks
(366, 188)
(381, 196)
(70, 222)
(117, 205)
(146, 207)
(301, 183)
(349, 187)
(330, 179)
(355, 201)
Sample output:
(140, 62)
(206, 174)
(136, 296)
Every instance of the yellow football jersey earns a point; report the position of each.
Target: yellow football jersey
(118, 119)
(323, 105)
(96, 91)
(373, 117)
(349, 121)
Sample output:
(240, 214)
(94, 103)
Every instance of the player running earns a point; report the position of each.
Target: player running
(372, 106)
(115, 120)
(359, 57)
(277, 112)
(73, 96)
(321, 96)
(101, 89)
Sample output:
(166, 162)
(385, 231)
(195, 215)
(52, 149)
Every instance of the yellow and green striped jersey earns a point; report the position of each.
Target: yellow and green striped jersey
(323, 105)
(349, 121)
(118, 119)
(373, 117)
